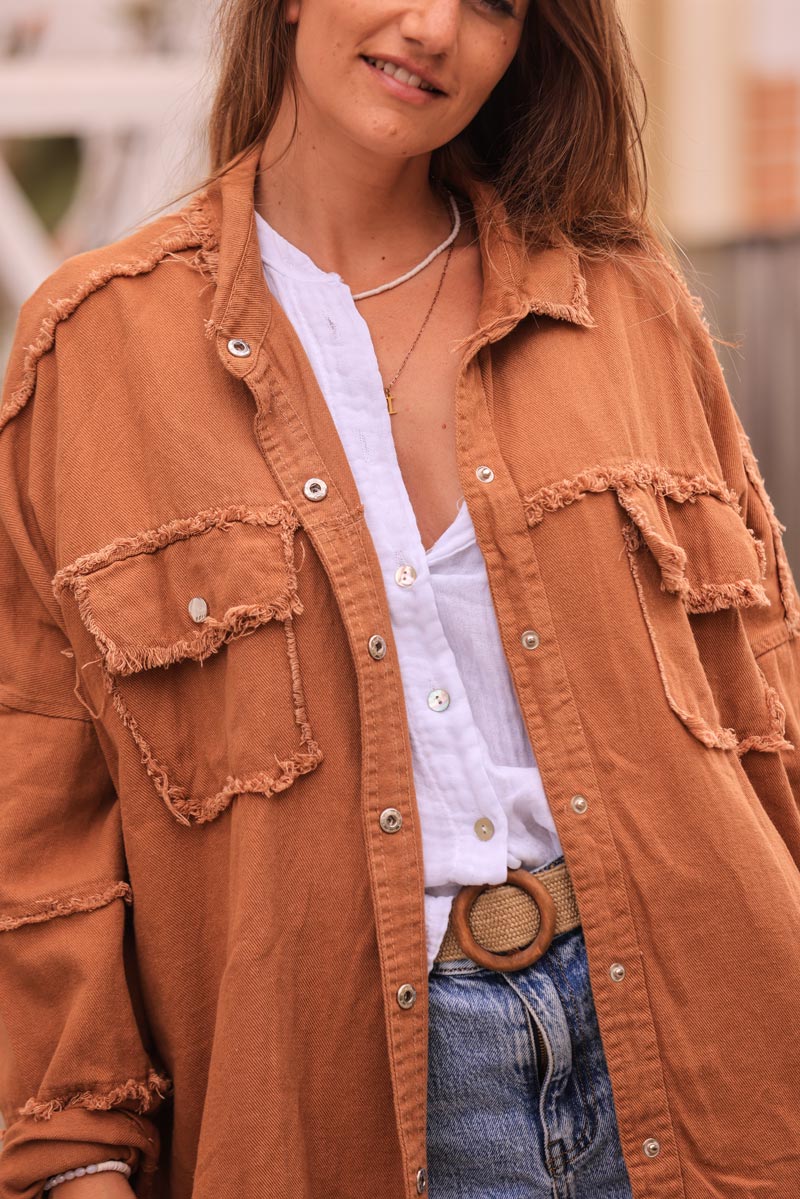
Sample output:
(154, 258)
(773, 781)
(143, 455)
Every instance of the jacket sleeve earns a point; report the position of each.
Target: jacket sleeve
(77, 1082)
(773, 631)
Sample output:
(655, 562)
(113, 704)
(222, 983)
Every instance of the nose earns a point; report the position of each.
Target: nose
(432, 24)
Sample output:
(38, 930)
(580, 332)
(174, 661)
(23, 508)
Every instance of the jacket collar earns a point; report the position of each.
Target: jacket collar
(547, 282)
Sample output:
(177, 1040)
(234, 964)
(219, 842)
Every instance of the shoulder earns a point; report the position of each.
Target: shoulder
(89, 295)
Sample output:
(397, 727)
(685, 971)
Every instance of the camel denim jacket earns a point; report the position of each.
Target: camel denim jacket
(212, 950)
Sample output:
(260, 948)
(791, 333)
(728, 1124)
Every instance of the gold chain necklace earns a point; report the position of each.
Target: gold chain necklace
(387, 390)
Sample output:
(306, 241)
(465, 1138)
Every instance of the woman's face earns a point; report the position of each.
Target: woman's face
(462, 46)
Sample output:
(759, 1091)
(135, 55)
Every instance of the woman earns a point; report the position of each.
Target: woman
(378, 530)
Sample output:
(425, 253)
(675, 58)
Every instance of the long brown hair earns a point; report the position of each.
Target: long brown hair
(560, 137)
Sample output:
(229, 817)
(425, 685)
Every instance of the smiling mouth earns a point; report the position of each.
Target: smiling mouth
(402, 75)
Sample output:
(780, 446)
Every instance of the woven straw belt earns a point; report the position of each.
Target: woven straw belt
(504, 917)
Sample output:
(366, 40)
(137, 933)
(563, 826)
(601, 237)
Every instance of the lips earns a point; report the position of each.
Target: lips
(404, 72)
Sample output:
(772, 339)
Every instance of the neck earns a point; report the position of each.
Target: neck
(364, 217)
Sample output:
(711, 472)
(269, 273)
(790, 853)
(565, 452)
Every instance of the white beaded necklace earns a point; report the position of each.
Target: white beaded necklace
(362, 295)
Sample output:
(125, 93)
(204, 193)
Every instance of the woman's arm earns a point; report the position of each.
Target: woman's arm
(773, 631)
(77, 1084)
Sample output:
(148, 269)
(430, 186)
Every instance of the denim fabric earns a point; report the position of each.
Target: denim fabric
(508, 1121)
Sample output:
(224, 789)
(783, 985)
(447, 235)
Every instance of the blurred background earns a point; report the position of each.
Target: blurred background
(102, 105)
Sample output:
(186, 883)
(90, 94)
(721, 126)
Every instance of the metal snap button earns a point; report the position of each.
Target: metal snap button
(406, 995)
(485, 474)
(438, 700)
(484, 829)
(198, 609)
(315, 489)
(239, 347)
(530, 639)
(405, 575)
(422, 1181)
(651, 1147)
(579, 803)
(377, 646)
(617, 972)
(390, 820)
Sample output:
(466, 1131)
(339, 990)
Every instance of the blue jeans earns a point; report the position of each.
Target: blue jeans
(508, 1119)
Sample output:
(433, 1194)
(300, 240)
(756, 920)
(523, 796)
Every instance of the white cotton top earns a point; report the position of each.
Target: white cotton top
(472, 759)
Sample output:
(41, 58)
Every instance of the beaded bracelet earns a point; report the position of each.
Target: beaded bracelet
(96, 1168)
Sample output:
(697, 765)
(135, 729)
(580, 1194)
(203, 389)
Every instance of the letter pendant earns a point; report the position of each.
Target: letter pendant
(389, 400)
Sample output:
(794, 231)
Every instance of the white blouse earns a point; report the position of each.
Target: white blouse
(481, 802)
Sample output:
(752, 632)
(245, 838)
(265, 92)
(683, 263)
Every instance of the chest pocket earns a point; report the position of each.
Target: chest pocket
(195, 624)
(695, 564)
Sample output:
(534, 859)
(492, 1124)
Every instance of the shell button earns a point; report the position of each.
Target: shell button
(484, 829)
(198, 609)
(405, 575)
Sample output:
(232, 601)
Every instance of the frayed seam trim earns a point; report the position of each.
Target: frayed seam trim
(52, 908)
(775, 739)
(264, 783)
(629, 475)
(175, 797)
(150, 540)
(191, 228)
(156, 1086)
(712, 736)
(789, 598)
(238, 621)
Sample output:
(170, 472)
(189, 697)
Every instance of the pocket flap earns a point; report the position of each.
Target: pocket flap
(705, 552)
(135, 594)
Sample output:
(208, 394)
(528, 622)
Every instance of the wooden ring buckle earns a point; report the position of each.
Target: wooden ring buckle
(519, 958)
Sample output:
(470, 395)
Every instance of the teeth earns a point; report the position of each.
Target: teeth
(401, 74)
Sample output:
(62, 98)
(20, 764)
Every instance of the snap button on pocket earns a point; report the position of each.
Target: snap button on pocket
(198, 609)
(239, 347)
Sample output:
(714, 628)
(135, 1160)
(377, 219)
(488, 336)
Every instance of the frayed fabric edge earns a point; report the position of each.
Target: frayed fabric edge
(628, 475)
(186, 809)
(627, 480)
(789, 598)
(237, 622)
(149, 540)
(175, 797)
(712, 736)
(155, 1087)
(775, 739)
(51, 908)
(193, 228)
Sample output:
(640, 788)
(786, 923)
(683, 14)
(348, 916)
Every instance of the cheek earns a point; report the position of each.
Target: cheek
(487, 70)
